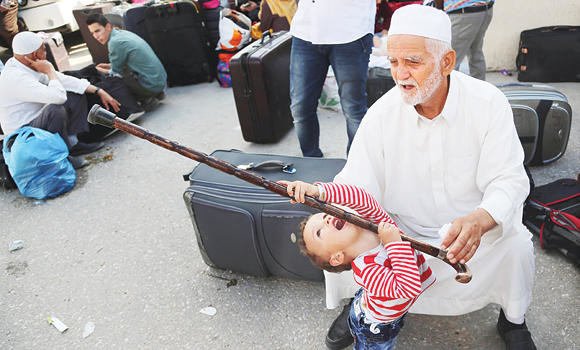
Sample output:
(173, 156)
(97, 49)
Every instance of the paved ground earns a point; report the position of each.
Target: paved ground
(119, 251)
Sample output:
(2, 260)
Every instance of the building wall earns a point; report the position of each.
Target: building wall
(511, 17)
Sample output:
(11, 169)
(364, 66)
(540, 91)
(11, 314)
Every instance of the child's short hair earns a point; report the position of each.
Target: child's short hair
(315, 259)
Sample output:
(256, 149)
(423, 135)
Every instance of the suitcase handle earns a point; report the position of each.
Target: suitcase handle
(287, 168)
(264, 35)
(524, 84)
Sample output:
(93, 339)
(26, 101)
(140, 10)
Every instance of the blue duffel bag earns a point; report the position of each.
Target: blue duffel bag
(37, 161)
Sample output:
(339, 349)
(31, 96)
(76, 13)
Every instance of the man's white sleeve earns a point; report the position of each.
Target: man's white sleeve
(501, 175)
(73, 84)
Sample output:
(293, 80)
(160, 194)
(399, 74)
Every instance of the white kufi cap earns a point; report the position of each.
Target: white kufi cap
(425, 21)
(25, 43)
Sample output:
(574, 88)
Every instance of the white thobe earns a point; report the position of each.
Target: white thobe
(24, 92)
(333, 21)
(425, 173)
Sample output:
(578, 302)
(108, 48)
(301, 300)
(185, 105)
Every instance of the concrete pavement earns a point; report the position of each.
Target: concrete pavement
(119, 250)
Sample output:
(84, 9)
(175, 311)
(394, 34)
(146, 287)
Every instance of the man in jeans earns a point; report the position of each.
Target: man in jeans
(336, 33)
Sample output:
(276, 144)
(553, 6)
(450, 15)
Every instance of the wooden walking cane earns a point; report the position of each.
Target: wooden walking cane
(101, 116)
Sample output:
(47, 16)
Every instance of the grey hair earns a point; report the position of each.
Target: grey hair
(437, 48)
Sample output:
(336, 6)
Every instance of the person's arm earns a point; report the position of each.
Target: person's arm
(73, 84)
(249, 6)
(342, 194)
(439, 4)
(502, 180)
(401, 280)
(107, 100)
(30, 90)
(355, 198)
(104, 68)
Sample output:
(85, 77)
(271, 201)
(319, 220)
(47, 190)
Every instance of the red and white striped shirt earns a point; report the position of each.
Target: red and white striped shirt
(392, 276)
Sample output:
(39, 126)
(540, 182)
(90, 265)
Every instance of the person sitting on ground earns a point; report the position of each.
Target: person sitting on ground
(132, 58)
(390, 273)
(33, 93)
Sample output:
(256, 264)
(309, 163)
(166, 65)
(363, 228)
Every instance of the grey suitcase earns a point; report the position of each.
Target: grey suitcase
(543, 118)
(246, 228)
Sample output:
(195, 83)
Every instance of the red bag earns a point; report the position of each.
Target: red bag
(209, 4)
(385, 11)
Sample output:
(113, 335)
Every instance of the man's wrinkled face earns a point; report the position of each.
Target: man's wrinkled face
(100, 33)
(414, 69)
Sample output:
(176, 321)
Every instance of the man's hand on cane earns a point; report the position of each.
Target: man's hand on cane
(464, 235)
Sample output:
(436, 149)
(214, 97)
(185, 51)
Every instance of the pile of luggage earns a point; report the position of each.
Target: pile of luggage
(181, 33)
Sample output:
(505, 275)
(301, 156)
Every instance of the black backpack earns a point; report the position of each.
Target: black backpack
(552, 212)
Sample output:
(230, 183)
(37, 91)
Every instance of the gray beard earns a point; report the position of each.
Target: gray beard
(425, 92)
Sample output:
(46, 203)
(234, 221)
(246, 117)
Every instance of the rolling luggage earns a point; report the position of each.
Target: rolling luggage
(261, 85)
(56, 52)
(549, 54)
(379, 81)
(134, 19)
(246, 228)
(552, 212)
(179, 39)
(543, 118)
(98, 52)
(211, 19)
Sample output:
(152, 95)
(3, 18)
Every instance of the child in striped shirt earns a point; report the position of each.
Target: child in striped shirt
(391, 274)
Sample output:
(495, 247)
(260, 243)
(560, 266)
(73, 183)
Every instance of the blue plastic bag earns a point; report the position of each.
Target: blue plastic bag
(37, 161)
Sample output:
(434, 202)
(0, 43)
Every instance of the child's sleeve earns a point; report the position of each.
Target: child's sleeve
(399, 280)
(355, 198)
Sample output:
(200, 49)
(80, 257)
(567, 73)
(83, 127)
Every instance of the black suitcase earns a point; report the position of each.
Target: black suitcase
(134, 19)
(549, 54)
(179, 39)
(98, 51)
(211, 19)
(379, 81)
(246, 228)
(261, 85)
(552, 212)
(543, 118)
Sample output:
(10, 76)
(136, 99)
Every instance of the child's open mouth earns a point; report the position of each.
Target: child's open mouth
(338, 223)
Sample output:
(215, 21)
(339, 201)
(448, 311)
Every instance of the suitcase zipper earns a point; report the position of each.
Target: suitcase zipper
(232, 195)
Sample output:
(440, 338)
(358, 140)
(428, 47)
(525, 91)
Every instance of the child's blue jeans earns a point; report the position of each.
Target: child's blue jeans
(378, 336)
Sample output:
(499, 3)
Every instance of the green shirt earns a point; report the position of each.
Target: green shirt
(128, 50)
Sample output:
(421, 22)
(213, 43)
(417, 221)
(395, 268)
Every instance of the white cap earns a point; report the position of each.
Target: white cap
(25, 43)
(425, 21)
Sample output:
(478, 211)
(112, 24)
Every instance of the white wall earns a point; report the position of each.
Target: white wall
(511, 17)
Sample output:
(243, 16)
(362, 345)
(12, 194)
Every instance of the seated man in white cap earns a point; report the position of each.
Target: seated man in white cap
(32, 93)
(441, 147)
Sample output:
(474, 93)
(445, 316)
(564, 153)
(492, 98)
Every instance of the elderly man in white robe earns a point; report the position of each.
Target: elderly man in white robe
(33, 93)
(441, 147)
